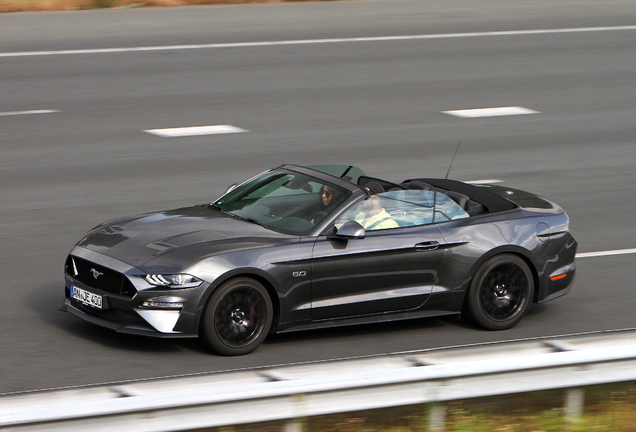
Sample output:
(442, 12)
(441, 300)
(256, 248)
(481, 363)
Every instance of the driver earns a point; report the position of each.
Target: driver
(373, 215)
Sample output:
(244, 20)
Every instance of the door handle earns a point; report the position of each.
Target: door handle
(427, 246)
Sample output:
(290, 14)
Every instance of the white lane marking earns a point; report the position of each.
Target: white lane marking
(606, 253)
(13, 113)
(194, 131)
(488, 181)
(319, 41)
(490, 112)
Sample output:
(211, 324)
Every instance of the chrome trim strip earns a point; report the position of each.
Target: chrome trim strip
(382, 295)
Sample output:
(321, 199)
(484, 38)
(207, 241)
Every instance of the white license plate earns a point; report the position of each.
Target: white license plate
(88, 298)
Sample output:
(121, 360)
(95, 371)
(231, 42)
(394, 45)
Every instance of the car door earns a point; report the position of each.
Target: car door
(389, 270)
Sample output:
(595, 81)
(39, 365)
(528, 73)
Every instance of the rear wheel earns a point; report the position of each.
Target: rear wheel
(501, 292)
(237, 317)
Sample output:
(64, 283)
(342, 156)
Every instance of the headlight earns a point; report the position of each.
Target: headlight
(175, 281)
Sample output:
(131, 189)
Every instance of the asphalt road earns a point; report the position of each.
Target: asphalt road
(374, 103)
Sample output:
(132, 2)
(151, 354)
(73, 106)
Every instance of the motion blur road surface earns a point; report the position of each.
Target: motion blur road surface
(374, 103)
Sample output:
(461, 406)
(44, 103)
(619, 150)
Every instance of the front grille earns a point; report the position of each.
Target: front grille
(98, 276)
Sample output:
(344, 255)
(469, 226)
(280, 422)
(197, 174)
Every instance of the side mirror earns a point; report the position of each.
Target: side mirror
(230, 188)
(350, 230)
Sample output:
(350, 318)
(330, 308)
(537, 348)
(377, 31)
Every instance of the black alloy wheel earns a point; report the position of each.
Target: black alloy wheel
(237, 317)
(501, 292)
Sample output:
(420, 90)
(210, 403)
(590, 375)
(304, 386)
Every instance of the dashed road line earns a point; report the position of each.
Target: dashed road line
(606, 253)
(14, 113)
(195, 131)
(319, 41)
(490, 112)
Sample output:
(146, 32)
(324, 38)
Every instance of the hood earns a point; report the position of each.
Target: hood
(176, 238)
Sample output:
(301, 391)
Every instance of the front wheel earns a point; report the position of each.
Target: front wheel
(237, 317)
(501, 292)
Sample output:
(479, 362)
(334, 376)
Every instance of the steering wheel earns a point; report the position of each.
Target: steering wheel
(319, 217)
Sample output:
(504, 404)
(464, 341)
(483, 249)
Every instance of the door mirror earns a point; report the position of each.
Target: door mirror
(350, 230)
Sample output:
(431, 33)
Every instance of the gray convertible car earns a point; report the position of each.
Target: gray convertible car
(307, 247)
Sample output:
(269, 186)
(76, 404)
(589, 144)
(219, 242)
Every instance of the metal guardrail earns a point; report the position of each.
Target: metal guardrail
(305, 390)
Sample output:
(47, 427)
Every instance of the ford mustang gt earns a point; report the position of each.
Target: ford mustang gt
(306, 247)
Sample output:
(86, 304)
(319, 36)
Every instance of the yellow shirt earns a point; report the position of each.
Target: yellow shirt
(382, 220)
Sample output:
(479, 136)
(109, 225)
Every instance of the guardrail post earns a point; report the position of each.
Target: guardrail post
(437, 417)
(295, 425)
(574, 403)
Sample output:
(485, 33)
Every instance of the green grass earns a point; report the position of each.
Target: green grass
(53, 5)
(607, 408)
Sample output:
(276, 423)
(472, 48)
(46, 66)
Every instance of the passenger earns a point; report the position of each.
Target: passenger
(373, 215)
(329, 200)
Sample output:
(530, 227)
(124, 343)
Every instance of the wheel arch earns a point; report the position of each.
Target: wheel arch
(472, 307)
(257, 275)
(510, 250)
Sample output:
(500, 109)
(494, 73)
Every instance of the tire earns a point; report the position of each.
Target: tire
(500, 293)
(237, 317)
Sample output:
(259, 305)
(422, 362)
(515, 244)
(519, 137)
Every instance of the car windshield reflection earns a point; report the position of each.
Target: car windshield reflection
(284, 201)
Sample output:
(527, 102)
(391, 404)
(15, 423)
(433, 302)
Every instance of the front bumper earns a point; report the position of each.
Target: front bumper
(151, 311)
(132, 326)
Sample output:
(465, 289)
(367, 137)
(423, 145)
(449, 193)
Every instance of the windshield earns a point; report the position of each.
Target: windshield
(284, 201)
